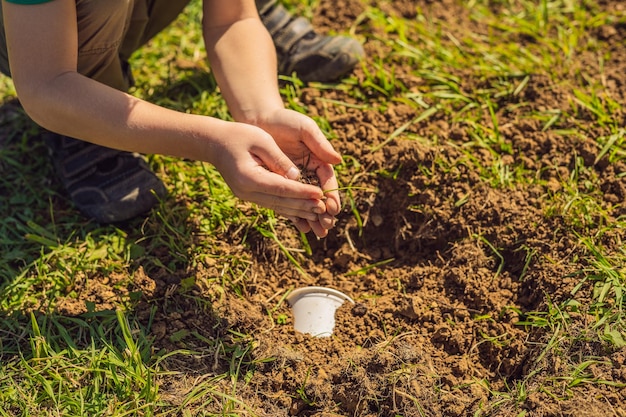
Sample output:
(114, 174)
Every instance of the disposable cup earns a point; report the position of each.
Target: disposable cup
(314, 309)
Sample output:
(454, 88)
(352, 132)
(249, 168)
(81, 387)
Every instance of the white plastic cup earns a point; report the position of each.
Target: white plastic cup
(314, 309)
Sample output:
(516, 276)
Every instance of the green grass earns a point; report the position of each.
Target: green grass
(103, 363)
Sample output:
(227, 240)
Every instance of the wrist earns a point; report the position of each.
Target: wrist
(259, 115)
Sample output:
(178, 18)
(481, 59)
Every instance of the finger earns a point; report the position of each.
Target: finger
(315, 140)
(275, 160)
(270, 183)
(326, 221)
(301, 224)
(287, 206)
(306, 226)
(296, 214)
(329, 184)
(318, 229)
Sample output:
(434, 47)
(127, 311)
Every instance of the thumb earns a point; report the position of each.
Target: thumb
(317, 142)
(276, 161)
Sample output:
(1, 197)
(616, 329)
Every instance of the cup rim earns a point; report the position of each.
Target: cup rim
(298, 293)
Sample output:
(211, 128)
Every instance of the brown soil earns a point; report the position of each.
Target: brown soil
(434, 329)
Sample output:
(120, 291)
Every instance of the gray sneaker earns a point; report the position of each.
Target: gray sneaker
(105, 184)
(313, 57)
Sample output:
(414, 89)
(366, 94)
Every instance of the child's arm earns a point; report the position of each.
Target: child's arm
(42, 47)
(243, 59)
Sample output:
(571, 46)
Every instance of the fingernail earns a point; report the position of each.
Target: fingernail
(318, 210)
(293, 173)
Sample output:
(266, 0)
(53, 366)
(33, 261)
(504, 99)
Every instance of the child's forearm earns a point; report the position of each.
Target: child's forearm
(243, 59)
(78, 107)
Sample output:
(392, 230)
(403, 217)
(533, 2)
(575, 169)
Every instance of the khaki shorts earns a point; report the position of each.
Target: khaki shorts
(109, 31)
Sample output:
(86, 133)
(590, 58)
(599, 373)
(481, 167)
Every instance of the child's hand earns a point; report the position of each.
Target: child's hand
(299, 137)
(257, 170)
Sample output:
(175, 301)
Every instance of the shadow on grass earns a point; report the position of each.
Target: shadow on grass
(50, 256)
(35, 211)
(26, 192)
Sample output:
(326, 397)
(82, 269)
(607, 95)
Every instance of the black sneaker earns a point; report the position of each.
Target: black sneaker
(313, 57)
(105, 184)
